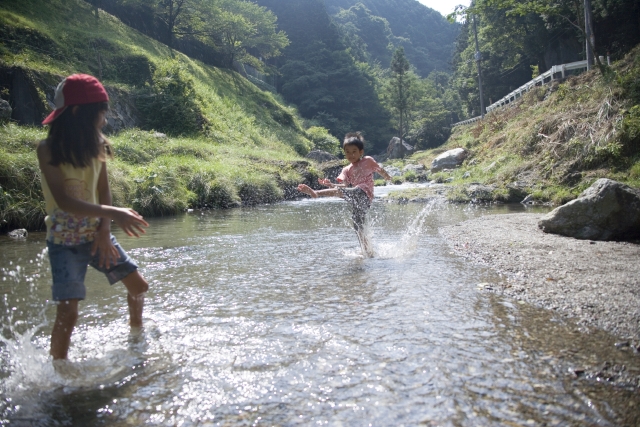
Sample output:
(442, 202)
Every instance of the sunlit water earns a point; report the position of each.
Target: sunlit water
(271, 316)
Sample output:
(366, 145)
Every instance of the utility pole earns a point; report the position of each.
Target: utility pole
(588, 35)
(478, 57)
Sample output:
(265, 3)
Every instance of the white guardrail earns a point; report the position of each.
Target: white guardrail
(555, 72)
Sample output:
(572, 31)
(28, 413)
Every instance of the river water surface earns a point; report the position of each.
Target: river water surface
(271, 316)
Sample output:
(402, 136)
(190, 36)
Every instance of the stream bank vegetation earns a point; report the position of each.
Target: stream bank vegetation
(205, 137)
(551, 144)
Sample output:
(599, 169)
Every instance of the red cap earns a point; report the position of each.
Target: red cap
(76, 89)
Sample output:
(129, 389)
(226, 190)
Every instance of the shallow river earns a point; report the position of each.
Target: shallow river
(271, 316)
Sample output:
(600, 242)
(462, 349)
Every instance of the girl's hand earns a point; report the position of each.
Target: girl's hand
(130, 221)
(103, 246)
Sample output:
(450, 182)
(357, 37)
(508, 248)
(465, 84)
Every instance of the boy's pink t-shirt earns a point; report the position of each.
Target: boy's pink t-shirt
(360, 174)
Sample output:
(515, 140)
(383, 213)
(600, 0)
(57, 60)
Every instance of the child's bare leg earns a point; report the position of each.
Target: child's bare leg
(66, 318)
(358, 217)
(304, 188)
(136, 286)
(329, 192)
(365, 243)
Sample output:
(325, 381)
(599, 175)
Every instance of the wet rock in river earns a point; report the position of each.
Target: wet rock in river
(19, 233)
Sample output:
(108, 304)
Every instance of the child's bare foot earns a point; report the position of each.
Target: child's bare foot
(304, 188)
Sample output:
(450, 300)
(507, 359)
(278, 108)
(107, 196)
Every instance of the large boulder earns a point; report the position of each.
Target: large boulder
(330, 170)
(449, 159)
(28, 107)
(608, 210)
(398, 149)
(122, 113)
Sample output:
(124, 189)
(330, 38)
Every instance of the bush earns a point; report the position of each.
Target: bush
(253, 191)
(170, 105)
(630, 131)
(410, 176)
(439, 177)
(21, 199)
(630, 82)
(212, 193)
(323, 140)
(131, 69)
(160, 193)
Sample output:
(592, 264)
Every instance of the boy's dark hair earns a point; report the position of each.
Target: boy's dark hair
(353, 138)
(73, 137)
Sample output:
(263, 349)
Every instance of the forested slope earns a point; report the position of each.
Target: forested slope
(322, 78)
(427, 37)
(520, 39)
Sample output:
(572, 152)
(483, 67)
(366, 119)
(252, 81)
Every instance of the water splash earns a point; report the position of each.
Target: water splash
(22, 361)
(27, 371)
(408, 243)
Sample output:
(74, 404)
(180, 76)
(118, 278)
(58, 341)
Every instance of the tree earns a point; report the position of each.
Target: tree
(232, 29)
(368, 37)
(516, 35)
(429, 124)
(175, 15)
(243, 31)
(400, 87)
(318, 74)
(427, 37)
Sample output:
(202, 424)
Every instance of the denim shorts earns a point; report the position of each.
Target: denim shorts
(360, 204)
(69, 268)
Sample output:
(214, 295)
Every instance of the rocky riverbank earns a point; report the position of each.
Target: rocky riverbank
(596, 284)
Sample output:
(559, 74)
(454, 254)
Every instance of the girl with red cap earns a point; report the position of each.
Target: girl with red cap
(78, 205)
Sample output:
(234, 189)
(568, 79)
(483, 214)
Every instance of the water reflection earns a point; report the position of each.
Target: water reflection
(271, 316)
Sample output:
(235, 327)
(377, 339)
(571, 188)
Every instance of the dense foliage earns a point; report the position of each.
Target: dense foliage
(519, 39)
(216, 31)
(378, 27)
(320, 76)
(553, 143)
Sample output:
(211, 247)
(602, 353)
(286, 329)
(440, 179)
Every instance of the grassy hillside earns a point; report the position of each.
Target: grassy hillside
(236, 145)
(554, 142)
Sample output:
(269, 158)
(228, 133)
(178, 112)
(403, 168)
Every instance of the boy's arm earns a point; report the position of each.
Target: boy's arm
(327, 183)
(384, 173)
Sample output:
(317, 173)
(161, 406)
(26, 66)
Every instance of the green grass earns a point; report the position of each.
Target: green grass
(156, 176)
(245, 146)
(554, 142)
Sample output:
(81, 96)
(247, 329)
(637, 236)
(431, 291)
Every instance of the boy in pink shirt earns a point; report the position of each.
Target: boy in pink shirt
(355, 185)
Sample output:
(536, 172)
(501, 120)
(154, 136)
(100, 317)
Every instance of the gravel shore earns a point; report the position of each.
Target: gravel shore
(595, 283)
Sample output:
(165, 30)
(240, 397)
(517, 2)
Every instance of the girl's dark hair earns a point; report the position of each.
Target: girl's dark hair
(353, 138)
(74, 138)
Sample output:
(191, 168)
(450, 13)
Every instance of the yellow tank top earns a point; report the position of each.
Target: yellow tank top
(64, 228)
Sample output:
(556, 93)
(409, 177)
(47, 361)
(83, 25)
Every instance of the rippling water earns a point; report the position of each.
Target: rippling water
(271, 316)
